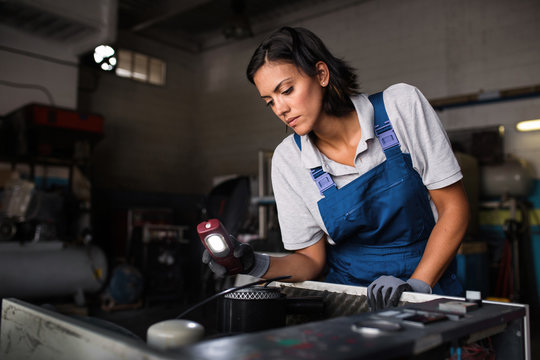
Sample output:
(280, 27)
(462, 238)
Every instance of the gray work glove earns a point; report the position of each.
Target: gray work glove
(386, 291)
(252, 264)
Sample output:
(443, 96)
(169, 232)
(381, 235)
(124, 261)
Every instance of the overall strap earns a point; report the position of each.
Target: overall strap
(298, 141)
(383, 128)
(322, 179)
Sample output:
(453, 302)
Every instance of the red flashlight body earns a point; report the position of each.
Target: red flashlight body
(225, 255)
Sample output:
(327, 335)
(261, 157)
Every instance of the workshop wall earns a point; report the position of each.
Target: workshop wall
(445, 48)
(209, 120)
(47, 76)
(40, 63)
(150, 139)
(234, 122)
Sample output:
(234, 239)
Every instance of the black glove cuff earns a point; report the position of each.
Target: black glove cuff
(261, 263)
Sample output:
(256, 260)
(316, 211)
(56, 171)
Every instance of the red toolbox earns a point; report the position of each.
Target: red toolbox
(47, 131)
(43, 115)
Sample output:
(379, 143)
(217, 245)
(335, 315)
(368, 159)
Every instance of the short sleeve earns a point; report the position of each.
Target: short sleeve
(423, 135)
(299, 228)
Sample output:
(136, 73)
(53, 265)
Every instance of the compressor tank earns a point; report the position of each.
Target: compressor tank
(514, 178)
(49, 269)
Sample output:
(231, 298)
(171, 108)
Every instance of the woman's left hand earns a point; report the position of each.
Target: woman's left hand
(386, 291)
(445, 239)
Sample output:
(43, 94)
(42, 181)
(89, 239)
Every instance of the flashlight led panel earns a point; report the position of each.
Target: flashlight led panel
(216, 243)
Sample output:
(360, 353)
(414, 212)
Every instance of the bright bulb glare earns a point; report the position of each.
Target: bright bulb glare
(216, 243)
(528, 125)
(104, 56)
(104, 50)
(370, 332)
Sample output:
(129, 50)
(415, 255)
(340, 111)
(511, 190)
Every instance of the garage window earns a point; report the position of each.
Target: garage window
(140, 67)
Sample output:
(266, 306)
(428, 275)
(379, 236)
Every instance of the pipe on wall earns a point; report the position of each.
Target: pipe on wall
(485, 97)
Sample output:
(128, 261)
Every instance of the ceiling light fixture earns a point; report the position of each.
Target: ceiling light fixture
(105, 57)
(528, 125)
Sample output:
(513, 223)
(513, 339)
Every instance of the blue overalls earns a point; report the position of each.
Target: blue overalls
(382, 220)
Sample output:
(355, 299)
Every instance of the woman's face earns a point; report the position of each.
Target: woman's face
(293, 96)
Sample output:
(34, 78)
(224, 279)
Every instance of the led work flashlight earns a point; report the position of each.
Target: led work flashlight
(219, 244)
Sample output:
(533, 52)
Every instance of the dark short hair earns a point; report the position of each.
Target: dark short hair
(304, 49)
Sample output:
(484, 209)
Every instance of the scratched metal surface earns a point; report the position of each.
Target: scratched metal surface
(31, 332)
(34, 333)
(339, 338)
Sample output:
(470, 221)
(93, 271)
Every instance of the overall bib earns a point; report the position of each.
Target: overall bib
(380, 221)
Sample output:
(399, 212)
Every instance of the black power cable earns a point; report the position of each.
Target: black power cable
(230, 290)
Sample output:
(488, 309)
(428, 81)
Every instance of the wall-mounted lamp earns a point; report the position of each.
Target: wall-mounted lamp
(528, 125)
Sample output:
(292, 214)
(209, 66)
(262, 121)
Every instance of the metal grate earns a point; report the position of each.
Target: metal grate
(263, 293)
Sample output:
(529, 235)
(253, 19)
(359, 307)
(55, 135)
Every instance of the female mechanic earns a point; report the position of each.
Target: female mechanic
(368, 190)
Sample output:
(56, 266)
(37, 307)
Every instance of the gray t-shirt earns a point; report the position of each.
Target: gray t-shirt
(420, 134)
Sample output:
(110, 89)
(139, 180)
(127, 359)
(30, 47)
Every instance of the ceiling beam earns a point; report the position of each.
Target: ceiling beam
(166, 10)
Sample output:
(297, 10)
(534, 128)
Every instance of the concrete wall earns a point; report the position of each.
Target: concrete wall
(35, 70)
(39, 63)
(150, 132)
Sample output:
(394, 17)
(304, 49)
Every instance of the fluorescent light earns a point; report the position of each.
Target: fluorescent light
(528, 125)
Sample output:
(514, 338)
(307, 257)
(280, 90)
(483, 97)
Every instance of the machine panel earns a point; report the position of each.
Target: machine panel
(414, 330)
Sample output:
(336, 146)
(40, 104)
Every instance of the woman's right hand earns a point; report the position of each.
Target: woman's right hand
(252, 263)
